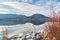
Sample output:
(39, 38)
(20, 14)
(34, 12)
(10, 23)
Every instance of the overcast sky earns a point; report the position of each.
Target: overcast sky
(28, 7)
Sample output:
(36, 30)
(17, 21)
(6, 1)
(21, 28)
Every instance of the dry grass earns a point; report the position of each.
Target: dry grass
(54, 26)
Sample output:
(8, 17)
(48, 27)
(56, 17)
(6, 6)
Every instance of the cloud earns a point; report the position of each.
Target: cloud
(47, 5)
(25, 8)
(56, 6)
(42, 7)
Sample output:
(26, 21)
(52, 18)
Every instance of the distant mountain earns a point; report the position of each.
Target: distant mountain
(13, 19)
(38, 19)
(8, 16)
